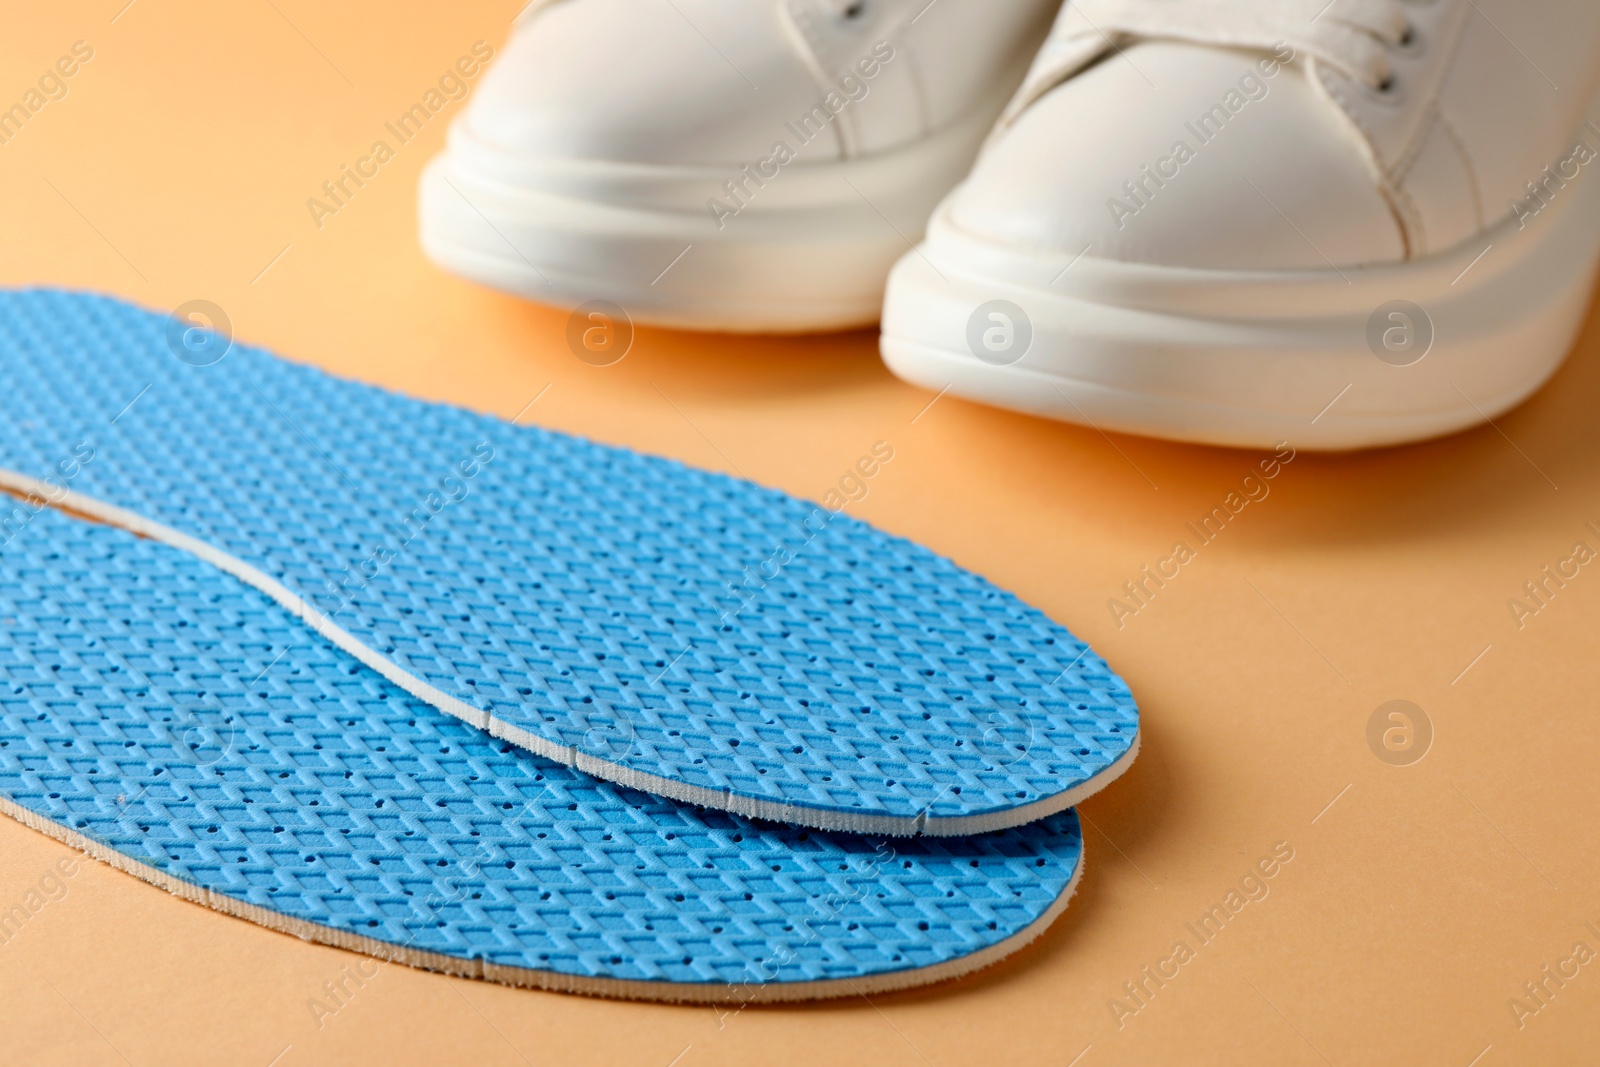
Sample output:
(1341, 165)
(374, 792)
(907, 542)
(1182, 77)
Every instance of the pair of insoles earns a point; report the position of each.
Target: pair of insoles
(671, 630)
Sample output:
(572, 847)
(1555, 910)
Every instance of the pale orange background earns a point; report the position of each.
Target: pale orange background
(1415, 906)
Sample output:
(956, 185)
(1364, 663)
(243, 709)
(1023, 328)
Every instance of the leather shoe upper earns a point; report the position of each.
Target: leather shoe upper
(1285, 134)
(1183, 155)
(716, 82)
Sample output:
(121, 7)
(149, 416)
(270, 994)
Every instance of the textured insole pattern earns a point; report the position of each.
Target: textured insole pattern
(659, 626)
(163, 711)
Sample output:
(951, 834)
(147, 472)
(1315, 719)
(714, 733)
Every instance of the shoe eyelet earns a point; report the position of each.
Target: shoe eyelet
(1410, 41)
(1387, 92)
(855, 10)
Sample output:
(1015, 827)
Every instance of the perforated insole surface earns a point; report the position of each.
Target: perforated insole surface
(186, 728)
(670, 629)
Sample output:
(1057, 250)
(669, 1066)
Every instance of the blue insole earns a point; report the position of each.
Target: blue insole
(182, 723)
(670, 629)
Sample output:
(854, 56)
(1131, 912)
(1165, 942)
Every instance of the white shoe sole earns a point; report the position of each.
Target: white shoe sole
(1251, 359)
(809, 251)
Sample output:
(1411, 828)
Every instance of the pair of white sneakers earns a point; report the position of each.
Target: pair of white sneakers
(1337, 223)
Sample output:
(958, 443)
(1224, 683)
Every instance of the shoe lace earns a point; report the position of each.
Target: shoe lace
(1357, 37)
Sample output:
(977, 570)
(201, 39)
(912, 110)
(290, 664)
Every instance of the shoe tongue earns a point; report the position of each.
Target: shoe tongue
(1349, 35)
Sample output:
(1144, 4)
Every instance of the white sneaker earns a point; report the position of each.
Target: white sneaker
(756, 165)
(1338, 224)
